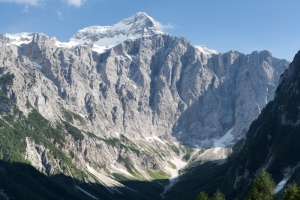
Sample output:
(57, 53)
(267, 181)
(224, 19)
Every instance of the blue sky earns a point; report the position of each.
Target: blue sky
(244, 26)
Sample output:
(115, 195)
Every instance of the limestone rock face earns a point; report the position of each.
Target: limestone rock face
(148, 92)
(155, 86)
(235, 89)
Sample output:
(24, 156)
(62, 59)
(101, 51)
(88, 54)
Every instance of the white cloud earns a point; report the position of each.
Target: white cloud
(76, 3)
(27, 2)
(165, 26)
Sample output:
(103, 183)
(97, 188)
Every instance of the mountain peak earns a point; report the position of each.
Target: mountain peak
(17, 39)
(134, 25)
(105, 37)
(141, 14)
(141, 20)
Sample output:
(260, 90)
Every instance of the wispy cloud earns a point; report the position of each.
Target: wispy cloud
(165, 26)
(26, 2)
(25, 9)
(59, 14)
(76, 3)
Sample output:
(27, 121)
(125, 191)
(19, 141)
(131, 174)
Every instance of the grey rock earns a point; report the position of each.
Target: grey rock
(157, 86)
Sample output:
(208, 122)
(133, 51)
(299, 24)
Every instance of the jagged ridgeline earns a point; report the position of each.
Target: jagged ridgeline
(272, 143)
(119, 112)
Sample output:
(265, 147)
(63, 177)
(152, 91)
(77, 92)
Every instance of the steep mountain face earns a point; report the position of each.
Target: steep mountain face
(272, 143)
(273, 139)
(129, 101)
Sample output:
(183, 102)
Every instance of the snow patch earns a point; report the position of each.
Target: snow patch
(287, 174)
(174, 172)
(225, 140)
(17, 39)
(122, 171)
(102, 38)
(82, 115)
(117, 134)
(203, 49)
(37, 65)
(134, 86)
(85, 192)
(258, 107)
(110, 184)
(151, 139)
(179, 165)
(222, 79)
(280, 185)
(217, 154)
(3, 194)
(217, 149)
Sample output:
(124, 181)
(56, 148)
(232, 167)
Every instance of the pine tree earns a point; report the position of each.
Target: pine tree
(218, 195)
(202, 196)
(292, 192)
(262, 188)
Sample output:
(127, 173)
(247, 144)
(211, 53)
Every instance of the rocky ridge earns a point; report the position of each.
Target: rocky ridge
(272, 143)
(143, 104)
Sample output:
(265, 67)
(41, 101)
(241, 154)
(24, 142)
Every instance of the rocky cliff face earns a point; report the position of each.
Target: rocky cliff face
(137, 104)
(272, 143)
(159, 86)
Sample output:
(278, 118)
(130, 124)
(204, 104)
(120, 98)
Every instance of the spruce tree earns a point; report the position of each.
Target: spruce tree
(292, 192)
(218, 195)
(262, 188)
(202, 196)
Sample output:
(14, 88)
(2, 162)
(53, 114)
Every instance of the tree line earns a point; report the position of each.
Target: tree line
(262, 189)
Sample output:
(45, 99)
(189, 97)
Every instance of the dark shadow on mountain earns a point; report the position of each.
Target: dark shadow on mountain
(209, 177)
(22, 181)
(272, 143)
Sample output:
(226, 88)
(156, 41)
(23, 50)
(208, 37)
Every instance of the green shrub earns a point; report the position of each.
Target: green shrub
(67, 115)
(292, 192)
(202, 196)
(173, 166)
(174, 148)
(75, 132)
(7, 79)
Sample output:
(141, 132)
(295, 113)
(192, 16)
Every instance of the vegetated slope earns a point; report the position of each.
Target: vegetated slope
(127, 114)
(272, 142)
(32, 140)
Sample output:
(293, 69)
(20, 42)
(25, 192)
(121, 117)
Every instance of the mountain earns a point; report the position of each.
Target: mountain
(137, 26)
(126, 105)
(272, 142)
